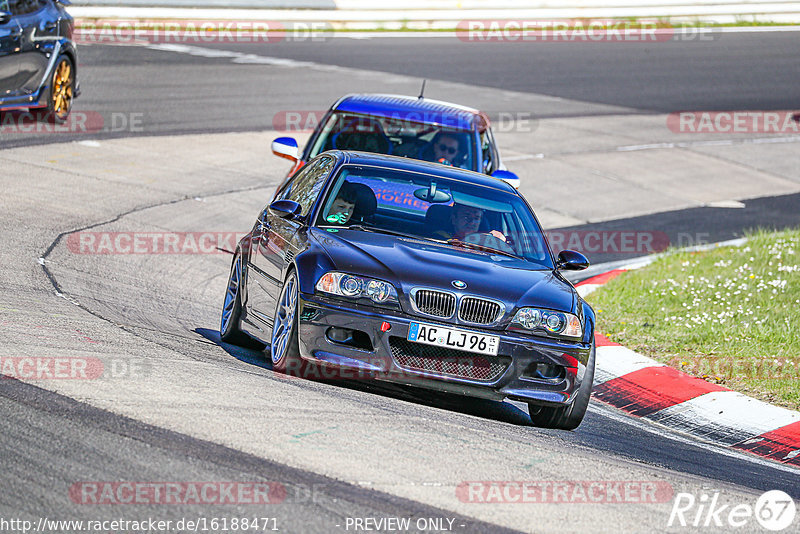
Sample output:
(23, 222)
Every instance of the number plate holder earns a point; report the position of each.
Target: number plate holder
(453, 338)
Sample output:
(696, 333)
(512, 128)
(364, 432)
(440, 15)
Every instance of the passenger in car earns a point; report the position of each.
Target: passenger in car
(343, 206)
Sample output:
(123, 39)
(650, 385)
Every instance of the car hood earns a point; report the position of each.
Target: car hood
(408, 263)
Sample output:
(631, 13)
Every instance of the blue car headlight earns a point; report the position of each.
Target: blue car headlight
(348, 285)
(555, 323)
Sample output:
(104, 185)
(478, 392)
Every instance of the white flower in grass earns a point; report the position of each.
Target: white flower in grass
(777, 283)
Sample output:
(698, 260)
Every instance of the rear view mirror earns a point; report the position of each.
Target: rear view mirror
(432, 195)
(508, 177)
(569, 260)
(285, 147)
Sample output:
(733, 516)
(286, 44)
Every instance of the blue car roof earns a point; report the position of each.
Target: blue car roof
(415, 109)
(347, 157)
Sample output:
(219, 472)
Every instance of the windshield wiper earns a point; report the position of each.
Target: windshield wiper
(484, 248)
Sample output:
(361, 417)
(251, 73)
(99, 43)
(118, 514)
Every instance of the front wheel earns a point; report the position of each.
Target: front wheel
(566, 417)
(62, 91)
(285, 349)
(229, 330)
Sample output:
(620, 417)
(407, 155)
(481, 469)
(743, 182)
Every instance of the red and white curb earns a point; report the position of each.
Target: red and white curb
(651, 390)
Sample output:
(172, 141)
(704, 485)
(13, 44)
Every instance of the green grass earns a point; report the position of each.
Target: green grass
(730, 315)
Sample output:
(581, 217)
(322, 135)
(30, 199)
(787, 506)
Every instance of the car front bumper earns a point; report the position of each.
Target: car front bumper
(388, 355)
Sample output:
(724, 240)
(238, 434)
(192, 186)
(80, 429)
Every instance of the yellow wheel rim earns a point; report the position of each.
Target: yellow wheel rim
(62, 90)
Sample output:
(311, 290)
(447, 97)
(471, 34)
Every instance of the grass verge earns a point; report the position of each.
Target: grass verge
(730, 315)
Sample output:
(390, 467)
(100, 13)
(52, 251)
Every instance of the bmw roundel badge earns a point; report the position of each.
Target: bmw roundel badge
(458, 284)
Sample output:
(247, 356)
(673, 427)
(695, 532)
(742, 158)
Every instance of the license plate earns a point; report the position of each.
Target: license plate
(453, 338)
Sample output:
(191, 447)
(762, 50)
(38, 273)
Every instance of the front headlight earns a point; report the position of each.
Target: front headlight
(551, 322)
(348, 285)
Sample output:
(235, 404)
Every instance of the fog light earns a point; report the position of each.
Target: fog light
(340, 335)
(544, 371)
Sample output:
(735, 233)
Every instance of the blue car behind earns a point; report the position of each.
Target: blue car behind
(405, 126)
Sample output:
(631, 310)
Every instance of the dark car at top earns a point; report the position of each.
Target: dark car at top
(402, 126)
(38, 58)
(357, 265)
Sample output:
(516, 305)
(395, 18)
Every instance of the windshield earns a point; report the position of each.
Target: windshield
(398, 137)
(435, 209)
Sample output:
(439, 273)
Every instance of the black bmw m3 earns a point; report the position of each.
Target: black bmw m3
(417, 273)
(38, 58)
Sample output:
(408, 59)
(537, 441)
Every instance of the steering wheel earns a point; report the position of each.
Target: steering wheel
(487, 239)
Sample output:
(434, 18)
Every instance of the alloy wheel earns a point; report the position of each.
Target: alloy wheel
(284, 320)
(231, 295)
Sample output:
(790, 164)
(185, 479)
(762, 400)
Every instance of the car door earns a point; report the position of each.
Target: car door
(275, 240)
(10, 33)
(39, 28)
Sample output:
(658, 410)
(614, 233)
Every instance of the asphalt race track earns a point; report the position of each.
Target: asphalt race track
(183, 146)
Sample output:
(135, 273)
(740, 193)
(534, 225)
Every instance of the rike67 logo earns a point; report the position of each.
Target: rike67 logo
(774, 511)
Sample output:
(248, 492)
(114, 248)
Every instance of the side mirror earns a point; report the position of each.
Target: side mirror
(286, 209)
(286, 147)
(508, 177)
(5, 16)
(569, 260)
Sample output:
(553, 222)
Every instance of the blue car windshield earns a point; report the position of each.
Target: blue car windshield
(475, 218)
(398, 137)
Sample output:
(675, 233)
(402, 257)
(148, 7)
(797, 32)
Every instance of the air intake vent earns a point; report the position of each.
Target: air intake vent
(440, 361)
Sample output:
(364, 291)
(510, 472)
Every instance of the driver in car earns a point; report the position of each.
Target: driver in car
(447, 149)
(466, 220)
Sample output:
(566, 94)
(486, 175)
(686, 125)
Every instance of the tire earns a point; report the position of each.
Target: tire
(62, 92)
(566, 417)
(284, 348)
(229, 330)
